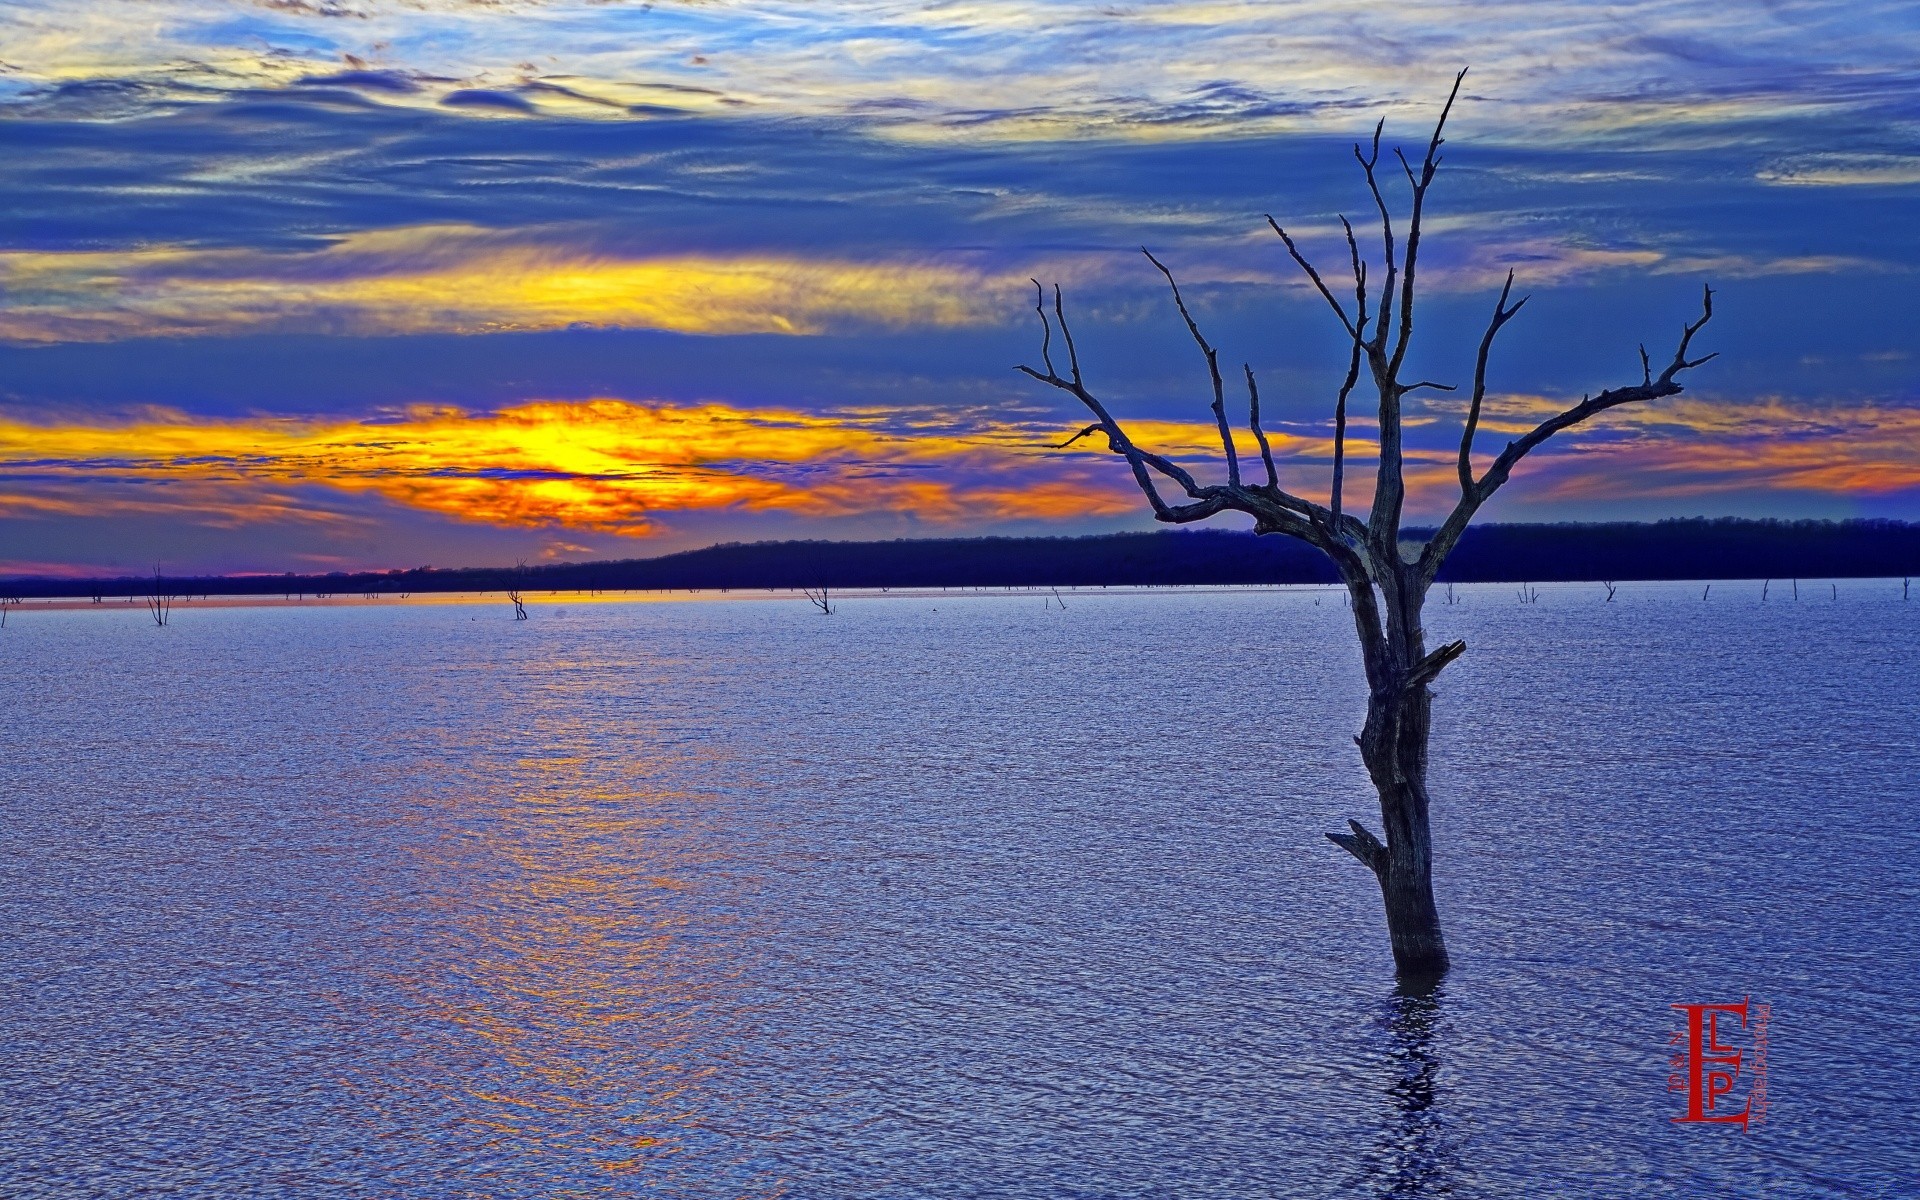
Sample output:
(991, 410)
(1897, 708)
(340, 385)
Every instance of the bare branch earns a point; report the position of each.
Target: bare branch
(1427, 668)
(1476, 493)
(1367, 163)
(1361, 843)
(1117, 439)
(1207, 501)
(1415, 217)
(1427, 383)
(1359, 281)
(1213, 372)
(1066, 335)
(1340, 424)
(1312, 274)
(1046, 326)
(1089, 430)
(1259, 434)
(1501, 315)
(1359, 332)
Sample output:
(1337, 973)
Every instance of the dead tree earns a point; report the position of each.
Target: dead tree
(820, 600)
(159, 600)
(513, 591)
(1386, 585)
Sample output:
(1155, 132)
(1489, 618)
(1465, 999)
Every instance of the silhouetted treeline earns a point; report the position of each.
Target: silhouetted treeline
(1679, 549)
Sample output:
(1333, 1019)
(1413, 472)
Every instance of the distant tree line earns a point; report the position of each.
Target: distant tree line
(1726, 548)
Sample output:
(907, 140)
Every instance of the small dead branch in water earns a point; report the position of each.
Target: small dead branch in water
(159, 603)
(1763, 590)
(1704, 593)
(819, 599)
(1056, 600)
(1529, 594)
(513, 591)
(1610, 590)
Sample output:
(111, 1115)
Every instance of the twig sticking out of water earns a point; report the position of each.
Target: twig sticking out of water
(1529, 594)
(1704, 593)
(513, 591)
(1610, 590)
(1763, 590)
(820, 599)
(159, 603)
(1056, 599)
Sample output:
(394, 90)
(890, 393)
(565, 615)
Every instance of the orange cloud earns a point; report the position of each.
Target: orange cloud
(604, 466)
(616, 467)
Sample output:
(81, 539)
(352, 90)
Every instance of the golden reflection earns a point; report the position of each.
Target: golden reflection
(573, 984)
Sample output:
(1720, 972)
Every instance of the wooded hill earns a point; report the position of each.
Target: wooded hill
(1676, 549)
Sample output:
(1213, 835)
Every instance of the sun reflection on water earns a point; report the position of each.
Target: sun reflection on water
(570, 999)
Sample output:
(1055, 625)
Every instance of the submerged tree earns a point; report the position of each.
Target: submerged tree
(159, 599)
(1386, 579)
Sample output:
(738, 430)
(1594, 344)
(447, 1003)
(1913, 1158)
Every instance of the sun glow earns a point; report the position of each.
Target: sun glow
(606, 466)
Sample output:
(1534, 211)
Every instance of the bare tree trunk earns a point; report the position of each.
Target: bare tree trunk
(1394, 746)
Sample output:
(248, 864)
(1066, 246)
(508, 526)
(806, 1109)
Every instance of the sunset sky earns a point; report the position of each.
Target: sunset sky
(321, 284)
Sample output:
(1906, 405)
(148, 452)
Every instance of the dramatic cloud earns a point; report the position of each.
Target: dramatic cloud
(620, 468)
(606, 466)
(355, 281)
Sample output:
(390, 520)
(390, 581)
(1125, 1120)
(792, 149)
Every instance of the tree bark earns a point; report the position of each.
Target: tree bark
(1394, 746)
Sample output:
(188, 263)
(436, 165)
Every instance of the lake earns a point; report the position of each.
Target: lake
(947, 895)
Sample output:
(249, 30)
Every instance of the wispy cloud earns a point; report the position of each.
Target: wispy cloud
(1158, 69)
(468, 280)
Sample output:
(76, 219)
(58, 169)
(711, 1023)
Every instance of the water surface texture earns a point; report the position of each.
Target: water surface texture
(946, 895)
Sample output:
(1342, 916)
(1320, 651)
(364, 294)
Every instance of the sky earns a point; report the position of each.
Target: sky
(310, 285)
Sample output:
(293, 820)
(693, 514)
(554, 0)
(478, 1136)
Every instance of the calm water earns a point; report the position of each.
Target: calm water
(945, 896)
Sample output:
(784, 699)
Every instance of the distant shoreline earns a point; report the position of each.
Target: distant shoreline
(541, 599)
(1696, 549)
